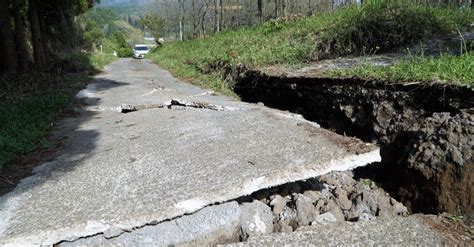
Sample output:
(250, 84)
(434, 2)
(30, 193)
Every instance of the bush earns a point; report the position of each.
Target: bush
(379, 26)
(125, 52)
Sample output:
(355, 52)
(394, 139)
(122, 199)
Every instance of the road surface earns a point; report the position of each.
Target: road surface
(178, 149)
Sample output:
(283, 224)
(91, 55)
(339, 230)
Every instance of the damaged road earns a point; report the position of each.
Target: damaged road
(117, 173)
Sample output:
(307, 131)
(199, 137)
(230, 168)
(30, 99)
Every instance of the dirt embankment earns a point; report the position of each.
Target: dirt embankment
(426, 132)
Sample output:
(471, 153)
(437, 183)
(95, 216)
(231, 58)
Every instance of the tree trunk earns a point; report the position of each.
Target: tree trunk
(223, 23)
(310, 12)
(217, 18)
(193, 8)
(37, 39)
(10, 59)
(260, 10)
(283, 7)
(275, 10)
(20, 39)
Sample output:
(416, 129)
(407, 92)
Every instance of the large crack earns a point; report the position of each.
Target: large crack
(171, 104)
(424, 131)
(248, 188)
(336, 196)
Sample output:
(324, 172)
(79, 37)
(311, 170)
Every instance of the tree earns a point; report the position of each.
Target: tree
(37, 39)
(10, 60)
(20, 38)
(154, 24)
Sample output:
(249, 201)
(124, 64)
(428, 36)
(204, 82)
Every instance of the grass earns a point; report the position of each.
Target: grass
(23, 124)
(453, 69)
(353, 30)
(29, 104)
(84, 62)
(98, 61)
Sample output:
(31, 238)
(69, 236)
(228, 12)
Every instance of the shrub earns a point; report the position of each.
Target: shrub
(378, 26)
(125, 52)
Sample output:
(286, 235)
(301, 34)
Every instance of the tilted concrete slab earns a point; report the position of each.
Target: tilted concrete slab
(124, 171)
(221, 225)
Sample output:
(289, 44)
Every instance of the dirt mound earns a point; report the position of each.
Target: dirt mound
(443, 154)
(425, 131)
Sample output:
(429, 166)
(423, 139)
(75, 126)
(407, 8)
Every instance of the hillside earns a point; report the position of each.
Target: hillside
(350, 31)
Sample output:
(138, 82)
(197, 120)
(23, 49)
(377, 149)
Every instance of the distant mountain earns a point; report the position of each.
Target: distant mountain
(124, 2)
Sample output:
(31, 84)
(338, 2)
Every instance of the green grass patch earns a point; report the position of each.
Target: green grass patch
(24, 123)
(91, 63)
(29, 104)
(454, 69)
(353, 30)
(98, 61)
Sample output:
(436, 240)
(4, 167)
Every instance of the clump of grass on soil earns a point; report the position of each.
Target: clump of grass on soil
(453, 69)
(380, 26)
(375, 27)
(29, 104)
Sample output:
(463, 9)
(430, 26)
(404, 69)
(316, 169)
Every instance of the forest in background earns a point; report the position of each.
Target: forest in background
(36, 32)
(189, 19)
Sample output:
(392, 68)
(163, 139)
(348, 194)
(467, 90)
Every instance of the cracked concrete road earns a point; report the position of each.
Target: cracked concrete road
(118, 172)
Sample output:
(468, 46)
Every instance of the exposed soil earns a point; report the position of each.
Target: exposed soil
(426, 132)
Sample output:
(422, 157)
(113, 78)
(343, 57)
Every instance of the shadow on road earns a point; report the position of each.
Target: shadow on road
(69, 144)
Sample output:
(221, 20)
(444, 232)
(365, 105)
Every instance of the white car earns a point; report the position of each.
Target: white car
(139, 51)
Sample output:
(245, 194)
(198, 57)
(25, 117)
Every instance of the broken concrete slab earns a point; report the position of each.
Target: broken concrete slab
(209, 226)
(256, 219)
(399, 231)
(125, 171)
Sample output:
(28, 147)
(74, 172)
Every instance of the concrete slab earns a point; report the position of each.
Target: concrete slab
(222, 225)
(396, 231)
(124, 171)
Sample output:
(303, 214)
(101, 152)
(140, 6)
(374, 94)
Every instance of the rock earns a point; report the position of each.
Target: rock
(398, 208)
(320, 205)
(366, 217)
(287, 220)
(313, 195)
(305, 210)
(278, 204)
(334, 209)
(341, 198)
(285, 226)
(256, 219)
(324, 218)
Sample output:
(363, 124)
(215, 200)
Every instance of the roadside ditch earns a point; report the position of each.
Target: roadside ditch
(425, 131)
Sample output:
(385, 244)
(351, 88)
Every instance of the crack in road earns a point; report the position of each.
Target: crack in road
(175, 102)
(126, 108)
